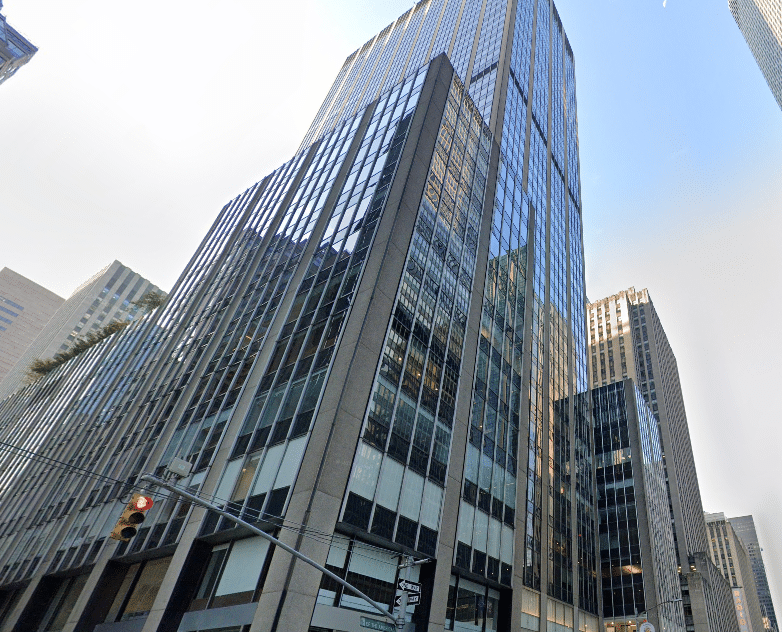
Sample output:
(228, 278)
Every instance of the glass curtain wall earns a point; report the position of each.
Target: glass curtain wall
(623, 569)
(217, 317)
(273, 434)
(407, 430)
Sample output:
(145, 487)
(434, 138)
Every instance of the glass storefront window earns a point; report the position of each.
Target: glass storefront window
(146, 589)
(63, 603)
(471, 607)
(232, 574)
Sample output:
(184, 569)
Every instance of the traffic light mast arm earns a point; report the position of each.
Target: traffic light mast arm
(648, 610)
(199, 501)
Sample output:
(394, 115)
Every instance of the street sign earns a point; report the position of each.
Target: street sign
(411, 587)
(412, 600)
(374, 624)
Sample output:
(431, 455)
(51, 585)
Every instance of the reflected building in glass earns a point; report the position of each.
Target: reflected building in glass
(378, 349)
(627, 341)
(637, 555)
(15, 50)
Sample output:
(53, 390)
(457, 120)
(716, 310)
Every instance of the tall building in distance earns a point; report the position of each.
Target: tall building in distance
(730, 555)
(378, 349)
(25, 308)
(760, 22)
(105, 297)
(637, 552)
(627, 340)
(744, 527)
(15, 50)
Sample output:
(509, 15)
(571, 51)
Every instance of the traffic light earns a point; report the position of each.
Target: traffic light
(132, 516)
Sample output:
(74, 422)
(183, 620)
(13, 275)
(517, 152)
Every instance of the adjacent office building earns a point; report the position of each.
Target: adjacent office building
(730, 555)
(15, 50)
(627, 340)
(107, 296)
(378, 349)
(25, 308)
(760, 22)
(639, 572)
(744, 528)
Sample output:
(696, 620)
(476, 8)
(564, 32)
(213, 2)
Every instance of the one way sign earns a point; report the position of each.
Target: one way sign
(412, 599)
(411, 587)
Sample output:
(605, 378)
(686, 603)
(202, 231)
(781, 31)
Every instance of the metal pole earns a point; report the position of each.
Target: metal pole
(198, 501)
(648, 610)
(400, 621)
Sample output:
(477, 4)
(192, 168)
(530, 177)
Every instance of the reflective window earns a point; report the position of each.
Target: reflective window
(410, 415)
(471, 607)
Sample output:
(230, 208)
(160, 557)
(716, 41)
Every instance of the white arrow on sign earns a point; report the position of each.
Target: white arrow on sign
(412, 600)
(411, 587)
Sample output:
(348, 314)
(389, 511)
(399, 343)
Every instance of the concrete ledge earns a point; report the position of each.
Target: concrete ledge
(217, 617)
(122, 626)
(346, 620)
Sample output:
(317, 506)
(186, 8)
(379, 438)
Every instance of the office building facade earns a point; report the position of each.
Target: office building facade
(25, 308)
(760, 22)
(639, 572)
(107, 296)
(730, 556)
(15, 50)
(627, 340)
(378, 349)
(744, 528)
(709, 603)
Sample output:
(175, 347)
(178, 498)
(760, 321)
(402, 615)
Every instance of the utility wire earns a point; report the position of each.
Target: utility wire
(56, 464)
(257, 514)
(278, 521)
(41, 458)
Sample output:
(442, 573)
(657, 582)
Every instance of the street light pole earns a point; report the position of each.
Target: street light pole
(406, 563)
(648, 610)
(219, 510)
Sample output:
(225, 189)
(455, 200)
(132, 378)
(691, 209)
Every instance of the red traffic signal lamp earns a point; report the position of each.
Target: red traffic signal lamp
(132, 516)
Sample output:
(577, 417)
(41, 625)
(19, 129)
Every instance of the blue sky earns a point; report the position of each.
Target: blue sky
(127, 133)
(681, 154)
(681, 158)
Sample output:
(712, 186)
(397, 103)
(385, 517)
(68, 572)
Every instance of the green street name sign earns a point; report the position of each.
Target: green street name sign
(374, 624)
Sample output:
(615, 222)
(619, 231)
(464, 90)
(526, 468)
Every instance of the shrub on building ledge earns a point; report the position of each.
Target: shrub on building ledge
(38, 368)
(150, 301)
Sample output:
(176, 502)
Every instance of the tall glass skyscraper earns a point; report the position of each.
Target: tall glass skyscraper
(760, 22)
(637, 552)
(379, 349)
(15, 50)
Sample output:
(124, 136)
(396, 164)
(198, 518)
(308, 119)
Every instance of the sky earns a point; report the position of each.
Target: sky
(125, 136)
